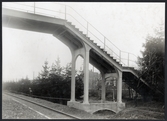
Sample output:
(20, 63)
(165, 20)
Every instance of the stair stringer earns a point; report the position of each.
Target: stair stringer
(134, 73)
(93, 46)
(101, 52)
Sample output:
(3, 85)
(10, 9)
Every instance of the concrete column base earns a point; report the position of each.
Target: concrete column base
(94, 107)
(120, 106)
(80, 106)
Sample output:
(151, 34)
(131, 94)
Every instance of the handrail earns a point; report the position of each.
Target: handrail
(23, 4)
(75, 12)
(76, 20)
(96, 37)
(117, 55)
(113, 44)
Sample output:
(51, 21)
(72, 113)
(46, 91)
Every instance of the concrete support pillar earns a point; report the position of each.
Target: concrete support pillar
(73, 80)
(86, 76)
(103, 92)
(119, 87)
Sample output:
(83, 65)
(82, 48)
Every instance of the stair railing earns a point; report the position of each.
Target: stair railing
(68, 13)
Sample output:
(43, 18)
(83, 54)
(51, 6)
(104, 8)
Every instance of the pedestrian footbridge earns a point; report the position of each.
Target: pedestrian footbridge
(82, 41)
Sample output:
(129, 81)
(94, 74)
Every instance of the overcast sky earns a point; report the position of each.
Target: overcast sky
(125, 24)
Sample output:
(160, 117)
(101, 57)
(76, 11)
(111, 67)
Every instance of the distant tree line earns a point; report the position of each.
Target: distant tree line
(55, 82)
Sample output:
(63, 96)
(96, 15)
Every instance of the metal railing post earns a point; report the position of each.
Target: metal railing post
(34, 7)
(120, 56)
(87, 29)
(65, 12)
(104, 43)
(128, 59)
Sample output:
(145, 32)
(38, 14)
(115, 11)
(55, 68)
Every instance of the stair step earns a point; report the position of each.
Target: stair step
(102, 49)
(85, 35)
(81, 32)
(105, 52)
(68, 22)
(114, 59)
(92, 41)
(72, 24)
(78, 29)
(89, 38)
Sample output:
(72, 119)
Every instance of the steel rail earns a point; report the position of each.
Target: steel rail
(41, 96)
(49, 108)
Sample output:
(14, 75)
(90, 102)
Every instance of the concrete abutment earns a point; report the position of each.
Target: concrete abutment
(94, 107)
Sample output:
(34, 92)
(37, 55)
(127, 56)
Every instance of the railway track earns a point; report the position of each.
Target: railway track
(129, 113)
(43, 106)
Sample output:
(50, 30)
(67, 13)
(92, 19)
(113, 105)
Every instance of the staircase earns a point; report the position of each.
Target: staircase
(130, 76)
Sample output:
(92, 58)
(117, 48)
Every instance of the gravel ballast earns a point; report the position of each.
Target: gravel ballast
(14, 110)
(79, 113)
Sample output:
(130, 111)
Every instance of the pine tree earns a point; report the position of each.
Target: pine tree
(58, 66)
(152, 61)
(67, 71)
(45, 72)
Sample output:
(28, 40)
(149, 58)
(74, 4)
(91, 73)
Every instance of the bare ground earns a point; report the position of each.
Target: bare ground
(144, 110)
